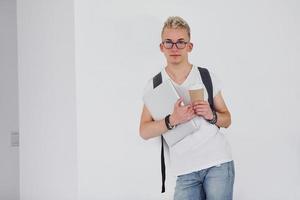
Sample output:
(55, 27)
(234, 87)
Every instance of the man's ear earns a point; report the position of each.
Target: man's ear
(190, 47)
(161, 47)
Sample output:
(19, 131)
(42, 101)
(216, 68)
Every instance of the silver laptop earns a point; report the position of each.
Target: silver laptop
(160, 102)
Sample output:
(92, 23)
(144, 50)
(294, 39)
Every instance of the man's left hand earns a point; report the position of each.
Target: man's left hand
(202, 108)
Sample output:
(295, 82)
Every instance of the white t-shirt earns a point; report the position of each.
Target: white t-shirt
(207, 146)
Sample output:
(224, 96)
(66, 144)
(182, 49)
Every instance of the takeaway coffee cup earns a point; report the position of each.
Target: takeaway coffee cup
(196, 92)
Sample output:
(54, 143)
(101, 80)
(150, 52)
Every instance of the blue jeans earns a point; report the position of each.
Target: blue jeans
(214, 183)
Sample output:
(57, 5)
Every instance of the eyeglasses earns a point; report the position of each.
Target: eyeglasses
(168, 44)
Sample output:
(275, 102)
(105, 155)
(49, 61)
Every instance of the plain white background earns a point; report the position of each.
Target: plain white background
(82, 69)
(47, 100)
(252, 46)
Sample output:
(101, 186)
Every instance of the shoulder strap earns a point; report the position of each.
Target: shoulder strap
(157, 80)
(163, 166)
(206, 79)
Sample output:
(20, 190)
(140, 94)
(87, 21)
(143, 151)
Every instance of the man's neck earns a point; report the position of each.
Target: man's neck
(179, 68)
(179, 72)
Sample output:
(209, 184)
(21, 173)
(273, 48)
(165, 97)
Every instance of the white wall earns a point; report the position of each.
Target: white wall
(251, 45)
(114, 163)
(48, 148)
(9, 156)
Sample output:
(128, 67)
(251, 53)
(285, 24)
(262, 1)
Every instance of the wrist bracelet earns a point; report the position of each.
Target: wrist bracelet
(168, 124)
(214, 119)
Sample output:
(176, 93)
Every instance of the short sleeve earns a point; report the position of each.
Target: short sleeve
(148, 87)
(217, 85)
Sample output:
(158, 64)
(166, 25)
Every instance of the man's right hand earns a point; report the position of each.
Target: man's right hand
(181, 113)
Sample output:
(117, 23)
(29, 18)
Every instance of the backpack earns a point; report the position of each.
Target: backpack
(206, 79)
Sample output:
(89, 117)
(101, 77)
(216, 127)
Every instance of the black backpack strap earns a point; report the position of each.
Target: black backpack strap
(157, 80)
(163, 166)
(206, 79)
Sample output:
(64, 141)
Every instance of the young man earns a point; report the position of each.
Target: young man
(201, 161)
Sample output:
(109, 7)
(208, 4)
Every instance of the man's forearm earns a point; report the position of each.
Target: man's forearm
(152, 129)
(224, 119)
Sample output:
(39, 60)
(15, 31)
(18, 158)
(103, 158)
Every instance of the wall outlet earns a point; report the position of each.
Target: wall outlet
(14, 139)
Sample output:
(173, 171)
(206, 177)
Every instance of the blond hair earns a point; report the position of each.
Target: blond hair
(176, 22)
